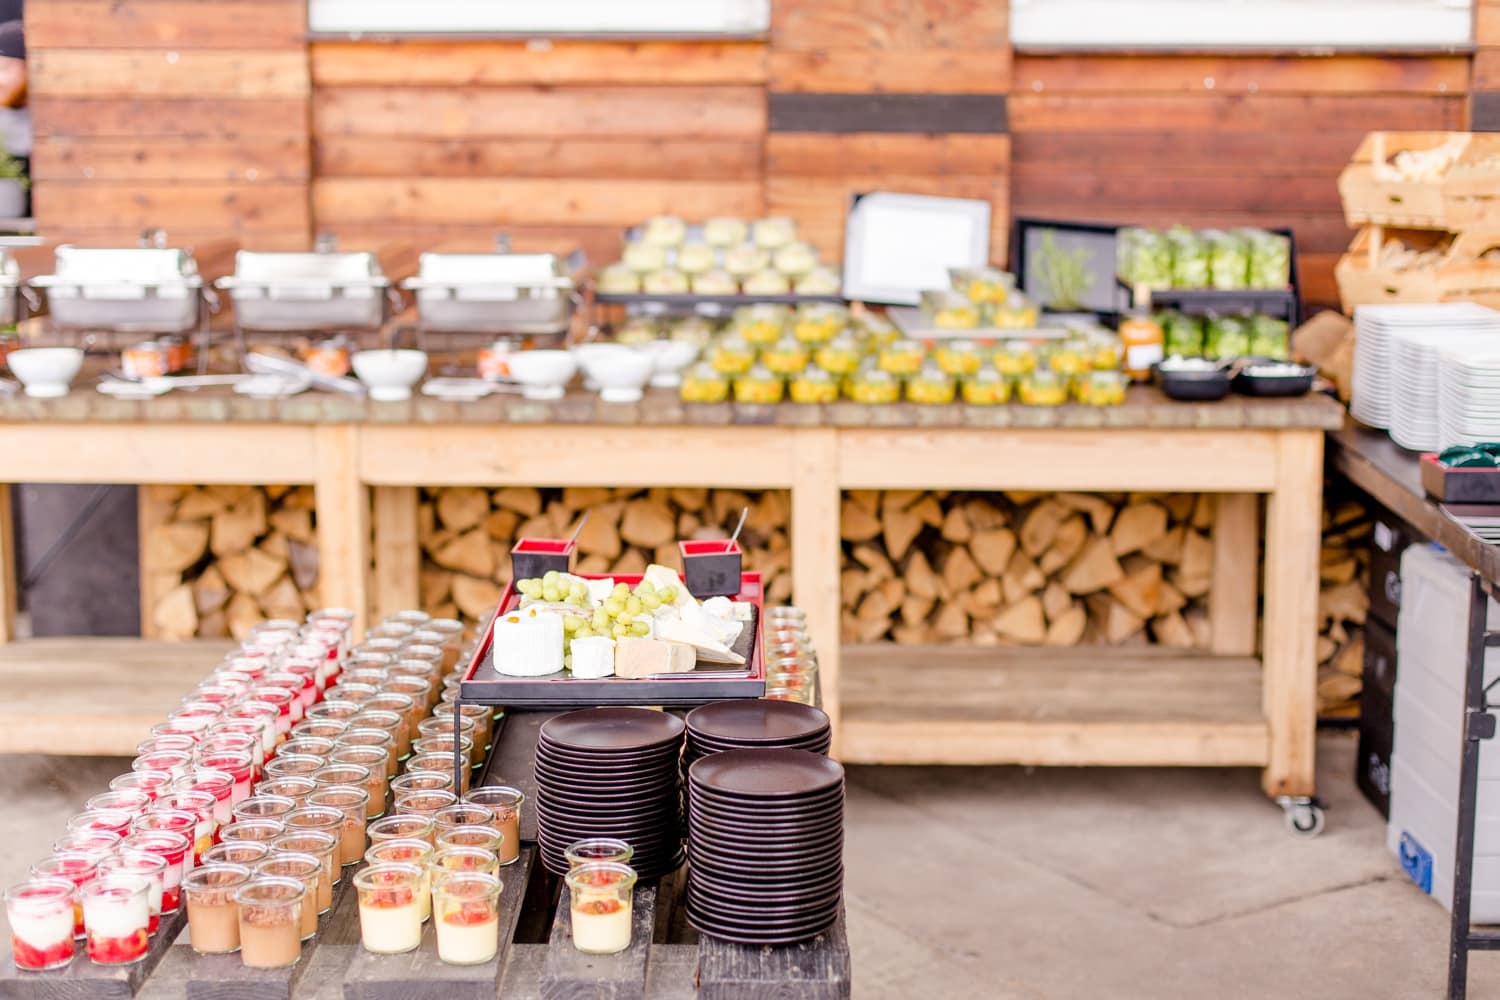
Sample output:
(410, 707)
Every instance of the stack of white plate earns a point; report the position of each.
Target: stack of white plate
(1415, 422)
(1373, 392)
(1468, 394)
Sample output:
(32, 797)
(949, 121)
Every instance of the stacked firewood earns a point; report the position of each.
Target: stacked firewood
(218, 560)
(466, 534)
(1036, 569)
(1343, 600)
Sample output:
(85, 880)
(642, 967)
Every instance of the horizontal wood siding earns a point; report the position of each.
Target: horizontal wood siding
(185, 114)
(557, 140)
(1216, 140)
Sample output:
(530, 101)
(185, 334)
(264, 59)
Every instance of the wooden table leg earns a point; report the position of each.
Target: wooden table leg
(816, 554)
(398, 560)
(8, 584)
(1294, 514)
(343, 515)
(1234, 596)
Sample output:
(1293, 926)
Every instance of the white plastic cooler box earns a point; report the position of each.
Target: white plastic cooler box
(1432, 649)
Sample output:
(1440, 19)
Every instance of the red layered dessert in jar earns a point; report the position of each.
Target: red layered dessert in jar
(116, 915)
(75, 868)
(130, 800)
(236, 762)
(165, 736)
(283, 700)
(41, 915)
(294, 683)
(201, 804)
(148, 782)
(172, 847)
(260, 730)
(176, 763)
(115, 821)
(142, 865)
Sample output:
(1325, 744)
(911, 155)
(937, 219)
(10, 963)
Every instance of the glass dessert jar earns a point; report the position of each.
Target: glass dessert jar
(600, 906)
(322, 729)
(422, 781)
(787, 356)
(463, 859)
(245, 852)
(731, 356)
(146, 781)
(270, 921)
(212, 914)
(815, 385)
(390, 913)
(190, 793)
(296, 787)
(464, 814)
(703, 384)
(259, 830)
(470, 836)
(41, 916)
(352, 802)
(466, 915)
(839, 356)
(116, 918)
(505, 802)
(181, 821)
(115, 821)
(391, 722)
(596, 850)
(263, 806)
(177, 763)
(310, 746)
(284, 764)
(130, 800)
(73, 867)
(873, 385)
(407, 850)
(1044, 388)
(931, 387)
(345, 776)
(145, 866)
(759, 385)
(303, 868)
(176, 850)
(985, 388)
(426, 802)
(95, 843)
(901, 358)
(1105, 388)
(370, 737)
(403, 826)
(375, 760)
(320, 819)
(959, 357)
(324, 847)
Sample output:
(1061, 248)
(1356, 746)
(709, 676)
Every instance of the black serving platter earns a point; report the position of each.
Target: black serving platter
(482, 685)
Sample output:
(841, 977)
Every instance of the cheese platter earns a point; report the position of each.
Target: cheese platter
(586, 647)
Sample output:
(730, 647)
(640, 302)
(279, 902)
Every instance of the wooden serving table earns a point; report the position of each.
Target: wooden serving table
(1223, 706)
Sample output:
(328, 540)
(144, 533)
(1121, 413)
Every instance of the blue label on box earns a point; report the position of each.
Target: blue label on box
(1416, 861)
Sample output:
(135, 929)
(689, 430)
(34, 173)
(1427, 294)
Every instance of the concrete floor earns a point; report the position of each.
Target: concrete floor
(1002, 883)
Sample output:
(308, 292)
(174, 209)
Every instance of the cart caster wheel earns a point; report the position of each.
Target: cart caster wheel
(1305, 817)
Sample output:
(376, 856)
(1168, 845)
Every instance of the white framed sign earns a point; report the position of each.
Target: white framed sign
(553, 17)
(1253, 24)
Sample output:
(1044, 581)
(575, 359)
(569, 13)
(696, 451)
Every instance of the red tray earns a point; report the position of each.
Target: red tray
(712, 682)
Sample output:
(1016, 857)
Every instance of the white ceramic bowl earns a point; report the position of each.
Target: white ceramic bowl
(542, 374)
(46, 372)
(619, 371)
(389, 375)
(668, 359)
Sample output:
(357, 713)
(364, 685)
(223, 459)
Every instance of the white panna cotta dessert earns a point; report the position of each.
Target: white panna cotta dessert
(529, 643)
(390, 914)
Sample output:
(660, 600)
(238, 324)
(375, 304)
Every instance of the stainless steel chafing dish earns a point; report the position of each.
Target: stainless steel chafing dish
(148, 289)
(297, 292)
(530, 294)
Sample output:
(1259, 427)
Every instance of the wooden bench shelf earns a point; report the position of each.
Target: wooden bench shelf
(967, 705)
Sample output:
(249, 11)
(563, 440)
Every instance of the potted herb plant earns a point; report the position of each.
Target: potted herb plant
(13, 185)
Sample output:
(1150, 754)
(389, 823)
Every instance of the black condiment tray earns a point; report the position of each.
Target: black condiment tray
(1462, 486)
(482, 685)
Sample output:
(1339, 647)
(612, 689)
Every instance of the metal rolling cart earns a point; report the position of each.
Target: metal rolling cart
(1479, 725)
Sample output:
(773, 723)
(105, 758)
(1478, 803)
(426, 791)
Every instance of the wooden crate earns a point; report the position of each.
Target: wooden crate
(1466, 197)
(1460, 276)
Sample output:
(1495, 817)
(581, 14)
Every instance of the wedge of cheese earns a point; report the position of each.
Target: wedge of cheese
(638, 658)
(704, 642)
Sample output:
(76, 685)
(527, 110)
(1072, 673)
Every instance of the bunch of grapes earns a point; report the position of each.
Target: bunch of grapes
(554, 589)
(623, 613)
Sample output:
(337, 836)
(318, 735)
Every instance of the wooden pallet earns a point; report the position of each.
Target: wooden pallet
(666, 961)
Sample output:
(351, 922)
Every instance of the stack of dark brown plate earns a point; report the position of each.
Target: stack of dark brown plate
(611, 772)
(755, 725)
(765, 845)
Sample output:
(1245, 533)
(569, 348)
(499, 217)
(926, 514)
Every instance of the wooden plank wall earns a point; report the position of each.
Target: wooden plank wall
(873, 94)
(1216, 140)
(216, 117)
(565, 140)
(185, 114)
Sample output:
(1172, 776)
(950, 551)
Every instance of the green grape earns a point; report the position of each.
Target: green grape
(620, 631)
(645, 587)
(583, 632)
(614, 606)
(550, 593)
(622, 590)
(624, 618)
(551, 578)
(640, 628)
(650, 602)
(531, 588)
(600, 621)
(633, 604)
(578, 593)
(669, 594)
(571, 624)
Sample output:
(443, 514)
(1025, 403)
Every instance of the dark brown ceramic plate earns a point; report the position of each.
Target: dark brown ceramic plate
(612, 730)
(767, 774)
(780, 723)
